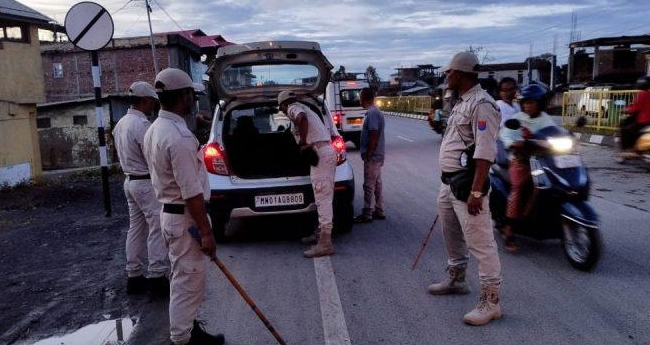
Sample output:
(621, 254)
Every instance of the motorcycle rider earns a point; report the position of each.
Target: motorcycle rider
(532, 118)
(639, 118)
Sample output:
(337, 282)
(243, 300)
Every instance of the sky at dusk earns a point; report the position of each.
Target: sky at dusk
(385, 34)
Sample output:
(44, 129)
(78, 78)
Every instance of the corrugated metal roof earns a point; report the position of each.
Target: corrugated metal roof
(10, 9)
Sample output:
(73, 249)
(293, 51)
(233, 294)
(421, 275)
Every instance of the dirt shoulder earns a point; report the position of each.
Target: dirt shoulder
(62, 260)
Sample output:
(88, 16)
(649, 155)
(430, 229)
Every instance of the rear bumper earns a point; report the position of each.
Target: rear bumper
(240, 203)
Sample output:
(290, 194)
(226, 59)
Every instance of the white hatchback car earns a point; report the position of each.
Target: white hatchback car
(252, 155)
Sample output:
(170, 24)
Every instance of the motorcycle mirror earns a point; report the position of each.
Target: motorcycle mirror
(581, 121)
(513, 124)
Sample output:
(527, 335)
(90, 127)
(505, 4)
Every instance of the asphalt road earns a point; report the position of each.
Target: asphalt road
(367, 293)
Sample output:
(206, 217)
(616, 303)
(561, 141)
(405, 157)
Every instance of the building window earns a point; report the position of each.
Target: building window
(80, 120)
(14, 33)
(624, 59)
(520, 77)
(43, 122)
(57, 70)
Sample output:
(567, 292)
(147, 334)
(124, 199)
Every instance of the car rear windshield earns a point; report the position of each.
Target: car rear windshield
(258, 120)
(238, 77)
(350, 98)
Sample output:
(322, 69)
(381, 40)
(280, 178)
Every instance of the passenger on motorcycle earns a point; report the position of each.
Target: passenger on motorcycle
(630, 128)
(532, 118)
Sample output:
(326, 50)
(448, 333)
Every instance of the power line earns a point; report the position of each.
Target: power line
(121, 8)
(170, 17)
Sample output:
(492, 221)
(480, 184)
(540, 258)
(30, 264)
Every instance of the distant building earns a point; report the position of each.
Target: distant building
(406, 77)
(618, 60)
(125, 60)
(21, 87)
(540, 71)
(67, 131)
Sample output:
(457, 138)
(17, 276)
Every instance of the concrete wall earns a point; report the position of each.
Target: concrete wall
(19, 149)
(65, 145)
(21, 74)
(21, 87)
(498, 75)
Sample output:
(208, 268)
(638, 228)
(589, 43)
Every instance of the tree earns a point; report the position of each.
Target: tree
(341, 74)
(373, 78)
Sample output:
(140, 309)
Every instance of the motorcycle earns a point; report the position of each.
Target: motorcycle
(560, 208)
(641, 149)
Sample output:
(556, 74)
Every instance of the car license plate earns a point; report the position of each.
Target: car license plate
(357, 121)
(279, 200)
(567, 161)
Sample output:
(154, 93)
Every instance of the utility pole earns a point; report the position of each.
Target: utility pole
(530, 57)
(153, 46)
(554, 62)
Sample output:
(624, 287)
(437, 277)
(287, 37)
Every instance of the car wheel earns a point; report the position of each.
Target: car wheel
(343, 218)
(218, 227)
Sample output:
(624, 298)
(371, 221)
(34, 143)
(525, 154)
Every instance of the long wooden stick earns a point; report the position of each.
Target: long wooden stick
(424, 244)
(248, 300)
(194, 232)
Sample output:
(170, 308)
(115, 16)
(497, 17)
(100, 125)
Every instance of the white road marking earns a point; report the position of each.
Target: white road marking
(334, 327)
(405, 138)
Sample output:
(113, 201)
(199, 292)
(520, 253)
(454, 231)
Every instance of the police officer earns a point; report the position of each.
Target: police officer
(144, 238)
(314, 134)
(467, 151)
(181, 185)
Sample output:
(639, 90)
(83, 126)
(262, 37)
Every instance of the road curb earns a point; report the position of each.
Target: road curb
(604, 140)
(407, 115)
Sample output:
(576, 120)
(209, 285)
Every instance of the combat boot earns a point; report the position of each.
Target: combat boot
(200, 337)
(454, 283)
(324, 246)
(311, 239)
(488, 308)
(136, 285)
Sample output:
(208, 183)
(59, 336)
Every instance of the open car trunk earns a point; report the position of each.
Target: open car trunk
(259, 143)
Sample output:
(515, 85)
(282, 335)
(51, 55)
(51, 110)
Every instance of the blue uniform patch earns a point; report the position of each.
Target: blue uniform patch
(482, 125)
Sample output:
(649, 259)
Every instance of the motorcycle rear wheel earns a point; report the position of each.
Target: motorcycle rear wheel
(582, 245)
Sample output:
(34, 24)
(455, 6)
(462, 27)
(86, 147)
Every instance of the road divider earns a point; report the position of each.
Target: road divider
(407, 115)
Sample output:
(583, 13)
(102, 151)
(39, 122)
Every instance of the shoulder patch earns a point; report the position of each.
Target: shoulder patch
(482, 125)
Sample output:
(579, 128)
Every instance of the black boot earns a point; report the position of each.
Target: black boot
(158, 287)
(136, 285)
(200, 337)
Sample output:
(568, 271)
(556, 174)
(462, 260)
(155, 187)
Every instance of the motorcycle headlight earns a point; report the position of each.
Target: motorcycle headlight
(561, 144)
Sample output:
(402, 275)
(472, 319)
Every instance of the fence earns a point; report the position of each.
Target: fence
(405, 104)
(603, 109)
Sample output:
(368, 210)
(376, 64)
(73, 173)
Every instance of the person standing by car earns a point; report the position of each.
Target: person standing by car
(313, 134)
(372, 153)
(144, 238)
(466, 154)
(180, 181)
(507, 105)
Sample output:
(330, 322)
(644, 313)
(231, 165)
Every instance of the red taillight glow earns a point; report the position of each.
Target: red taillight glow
(337, 118)
(339, 146)
(215, 160)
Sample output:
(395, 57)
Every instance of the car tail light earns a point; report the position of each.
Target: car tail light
(339, 146)
(338, 116)
(215, 159)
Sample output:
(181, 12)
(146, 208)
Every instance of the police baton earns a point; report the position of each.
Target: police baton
(197, 236)
(424, 244)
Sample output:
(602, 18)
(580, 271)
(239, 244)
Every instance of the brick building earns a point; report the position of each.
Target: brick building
(619, 60)
(123, 61)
